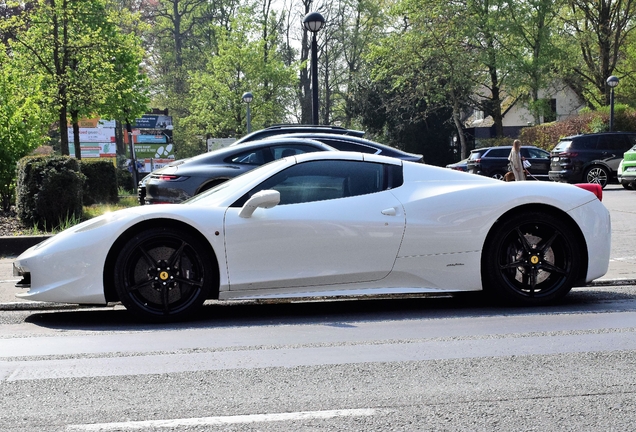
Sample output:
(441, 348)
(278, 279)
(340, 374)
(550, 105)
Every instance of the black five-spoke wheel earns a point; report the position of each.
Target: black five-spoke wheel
(161, 275)
(532, 258)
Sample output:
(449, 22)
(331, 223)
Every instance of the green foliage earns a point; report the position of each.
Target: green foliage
(101, 182)
(124, 180)
(49, 190)
(22, 123)
(87, 65)
(243, 63)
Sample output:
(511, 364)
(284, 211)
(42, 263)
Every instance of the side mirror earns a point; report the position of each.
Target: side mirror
(264, 199)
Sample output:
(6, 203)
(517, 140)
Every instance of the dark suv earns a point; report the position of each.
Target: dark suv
(493, 161)
(591, 158)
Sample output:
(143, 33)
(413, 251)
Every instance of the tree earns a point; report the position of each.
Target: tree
(70, 44)
(240, 66)
(534, 25)
(428, 65)
(601, 30)
(23, 124)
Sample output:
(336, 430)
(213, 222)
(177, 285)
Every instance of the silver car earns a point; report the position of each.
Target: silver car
(185, 178)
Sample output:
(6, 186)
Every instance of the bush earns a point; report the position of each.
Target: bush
(124, 180)
(547, 135)
(49, 191)
(101, 182)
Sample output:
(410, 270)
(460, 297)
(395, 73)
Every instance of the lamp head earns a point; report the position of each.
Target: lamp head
(612, 81)
(313, 22)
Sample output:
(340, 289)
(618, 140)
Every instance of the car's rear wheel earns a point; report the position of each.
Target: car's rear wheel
(498, 175)
(532, 258)
(598, 175)
(161, 274)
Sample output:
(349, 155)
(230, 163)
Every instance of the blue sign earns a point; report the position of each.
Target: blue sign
(146, 122)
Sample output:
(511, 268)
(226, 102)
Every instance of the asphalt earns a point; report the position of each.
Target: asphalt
(622, 267)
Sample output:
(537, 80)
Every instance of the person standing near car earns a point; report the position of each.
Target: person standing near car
(516, 162)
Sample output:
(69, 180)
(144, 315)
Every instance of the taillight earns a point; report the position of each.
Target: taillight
(168, 177)
(595, 188)
(568, 155)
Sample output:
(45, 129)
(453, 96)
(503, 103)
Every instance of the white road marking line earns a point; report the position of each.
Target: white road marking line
(510, 345)
(223, 420)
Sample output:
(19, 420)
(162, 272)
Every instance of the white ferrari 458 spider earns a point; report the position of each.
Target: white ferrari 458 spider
(330, 224)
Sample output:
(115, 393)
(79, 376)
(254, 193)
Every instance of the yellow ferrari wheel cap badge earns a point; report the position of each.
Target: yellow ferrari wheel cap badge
(163, 275)
(534, 259)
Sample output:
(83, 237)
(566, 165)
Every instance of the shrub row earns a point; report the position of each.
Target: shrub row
(51, 190)
(547, 135)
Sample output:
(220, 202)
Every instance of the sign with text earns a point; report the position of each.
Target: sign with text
(93, 135)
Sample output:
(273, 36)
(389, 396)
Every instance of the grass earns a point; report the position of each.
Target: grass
(100, 209)
(88, 213)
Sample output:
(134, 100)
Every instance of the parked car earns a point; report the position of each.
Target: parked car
(590, 158)
(141, 189)
(357, 144)
(296, 128)
(493, 162)
(185, 178)
(627, 169)
(462, 165)
(330, 224)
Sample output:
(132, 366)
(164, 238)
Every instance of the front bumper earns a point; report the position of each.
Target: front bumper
(628, 176)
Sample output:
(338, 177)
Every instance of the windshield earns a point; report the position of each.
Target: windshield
(247, 180)
(562, 146)
(476, 155)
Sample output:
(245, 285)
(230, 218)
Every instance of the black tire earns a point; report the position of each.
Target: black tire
(531, 259)
(628, 186)
(162, 274)
(498, 175)
(598, 175)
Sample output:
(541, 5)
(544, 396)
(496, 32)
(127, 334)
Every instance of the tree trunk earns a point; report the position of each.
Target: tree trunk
(76, 134)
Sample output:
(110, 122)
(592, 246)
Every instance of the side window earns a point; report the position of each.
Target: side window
(537, 154)
(325, 180)
(499, 152)
(632, 140)
(585, 143)
(612, 142)
(281, 151)
(250, 157)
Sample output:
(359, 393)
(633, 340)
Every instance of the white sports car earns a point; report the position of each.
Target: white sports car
(330, 224)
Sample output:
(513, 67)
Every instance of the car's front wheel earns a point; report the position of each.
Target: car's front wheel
(161, 274)
(532, 258)
(598, 175)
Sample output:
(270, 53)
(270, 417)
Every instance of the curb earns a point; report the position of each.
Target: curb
(14, 246)
(612, 282)
(35, 305)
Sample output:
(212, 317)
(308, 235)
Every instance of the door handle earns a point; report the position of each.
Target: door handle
(389, 212)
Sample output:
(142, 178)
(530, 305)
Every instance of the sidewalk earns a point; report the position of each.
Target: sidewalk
(622, 271)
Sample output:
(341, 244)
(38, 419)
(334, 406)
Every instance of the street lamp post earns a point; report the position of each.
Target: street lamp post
(313, 22)
(247, 98)
(612, 82)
